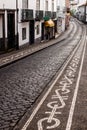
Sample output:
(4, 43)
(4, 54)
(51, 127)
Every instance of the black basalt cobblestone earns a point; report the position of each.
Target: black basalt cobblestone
(19, 90)
(22, 82)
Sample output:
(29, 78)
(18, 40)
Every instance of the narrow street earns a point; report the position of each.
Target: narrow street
(56, 108)
(24, 83)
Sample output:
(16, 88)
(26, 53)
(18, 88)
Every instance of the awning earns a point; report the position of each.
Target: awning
(46, 18)
(49, 23)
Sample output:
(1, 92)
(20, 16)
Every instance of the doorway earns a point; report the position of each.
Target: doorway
(2, 33)
(11, 30)
(31, 32)
(42, 31)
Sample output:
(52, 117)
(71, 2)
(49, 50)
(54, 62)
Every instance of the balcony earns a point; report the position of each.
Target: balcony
(47, 15)
(38, 15)
(26, 15)
(53, 16)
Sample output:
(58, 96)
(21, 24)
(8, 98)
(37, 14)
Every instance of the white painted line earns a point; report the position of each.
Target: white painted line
(49, 90)
(6, 60)
(69, 122)
(12, 57)
(16, 56)
(41, 102)
(21, 53)
(25, 53)
(46, 94)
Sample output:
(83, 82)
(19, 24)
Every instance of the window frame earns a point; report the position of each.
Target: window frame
(37, 29)
(24, 4)
(24, 33)
(37, 4)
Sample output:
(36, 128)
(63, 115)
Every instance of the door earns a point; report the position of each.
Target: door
(42, 31)
(11, 30)
(2, 33)
(31, 32)
(55, 27)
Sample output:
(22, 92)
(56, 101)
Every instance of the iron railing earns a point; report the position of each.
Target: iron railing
(39, 15)
(53, 16)
(26, 15)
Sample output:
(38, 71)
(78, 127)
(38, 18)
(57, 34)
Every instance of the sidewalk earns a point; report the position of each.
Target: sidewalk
(10, 57)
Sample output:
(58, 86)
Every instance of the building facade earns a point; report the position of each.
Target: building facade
(61, 10)
(8, 23)
(25, 22)
(67, 17)
(67, 3)
(73, 6)
(80, 2)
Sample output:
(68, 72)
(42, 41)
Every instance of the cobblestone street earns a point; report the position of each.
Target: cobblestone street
(43, 64)
(23, 81)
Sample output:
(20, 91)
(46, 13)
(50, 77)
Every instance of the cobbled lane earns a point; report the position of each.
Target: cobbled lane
(23, 81)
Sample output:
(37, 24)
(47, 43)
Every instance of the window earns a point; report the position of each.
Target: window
(24, 4)
(37, 4)
(23, 33)
(37, 29)
(52, 5)
(46, 5)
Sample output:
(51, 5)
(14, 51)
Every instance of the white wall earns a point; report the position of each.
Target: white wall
(19, 4)
(15, 22)
(61, 3)
(61, 14)
(31, 4)
(1, 35)
(50, 5)
(42, 4)
(20, 26)
(7, 4)
(82, 2)
(63, 24)
(5, 23)
(55, 5)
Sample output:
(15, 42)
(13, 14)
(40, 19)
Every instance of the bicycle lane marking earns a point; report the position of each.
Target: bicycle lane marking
(59, 99)
(69, 122)
(60, 102)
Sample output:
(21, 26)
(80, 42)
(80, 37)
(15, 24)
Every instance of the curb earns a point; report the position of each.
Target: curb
(24, 53)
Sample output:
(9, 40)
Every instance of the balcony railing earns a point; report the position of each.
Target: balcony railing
(26, 15)
(47, 15)
(39, 15)
(53, 16)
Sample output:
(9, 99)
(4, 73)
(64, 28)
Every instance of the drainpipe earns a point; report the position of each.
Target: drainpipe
(17, 41)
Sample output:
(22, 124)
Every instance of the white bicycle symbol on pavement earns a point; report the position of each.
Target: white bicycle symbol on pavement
(51, 121)
(56, 124)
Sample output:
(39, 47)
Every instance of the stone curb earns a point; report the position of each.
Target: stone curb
(24, 53)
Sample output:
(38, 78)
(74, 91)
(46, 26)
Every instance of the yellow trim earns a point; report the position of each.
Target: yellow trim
(49, 23)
